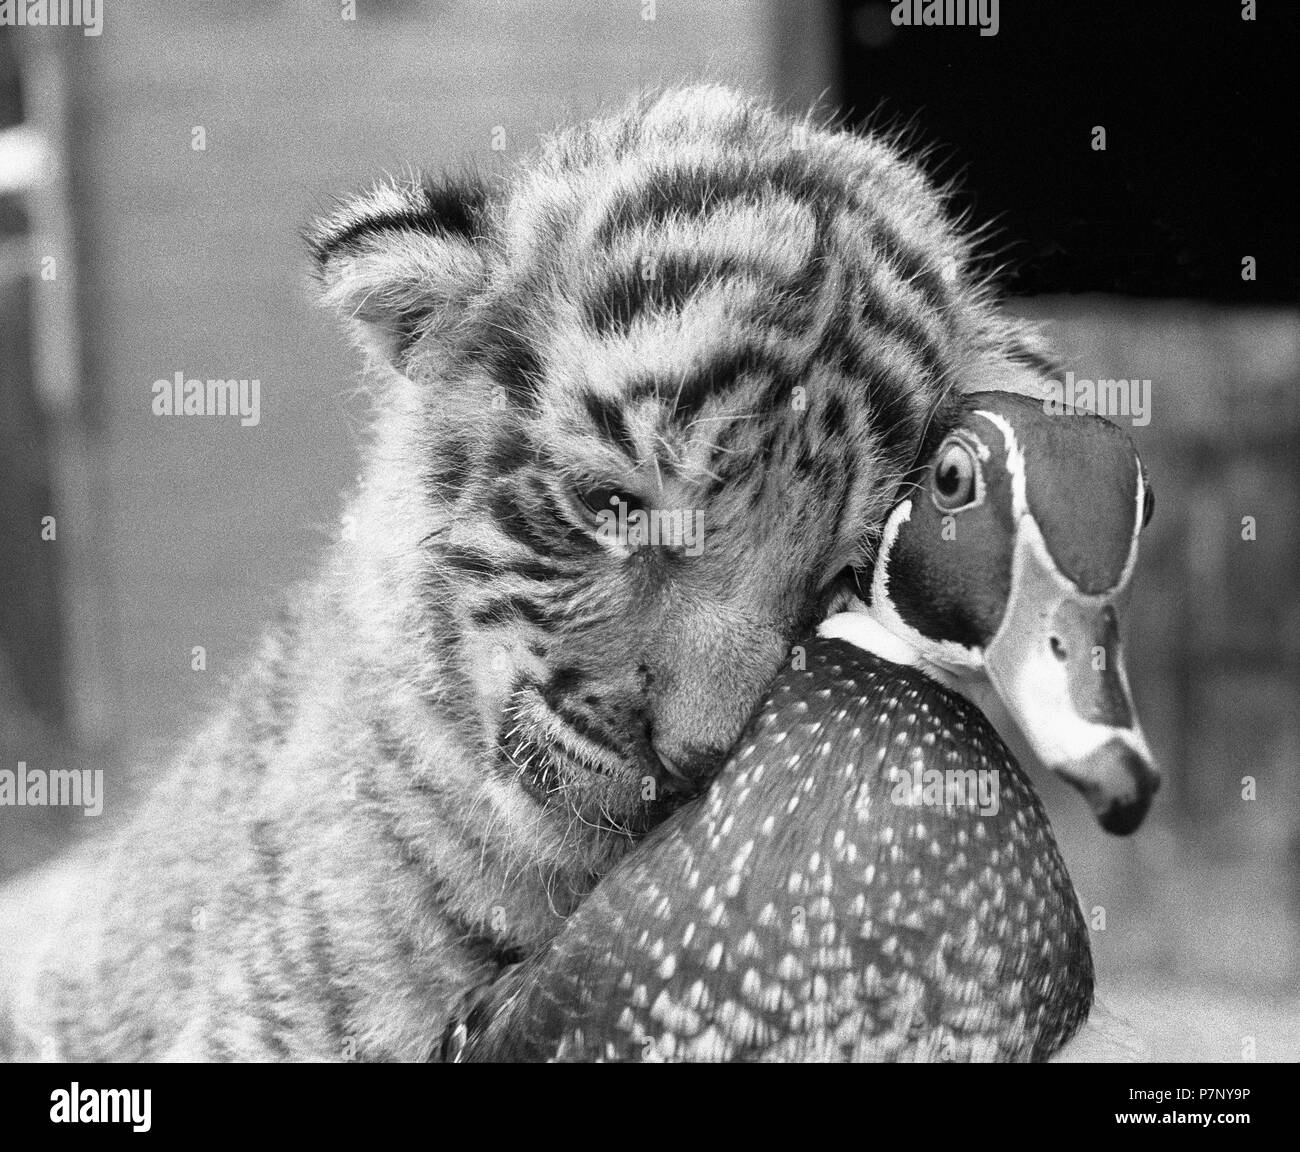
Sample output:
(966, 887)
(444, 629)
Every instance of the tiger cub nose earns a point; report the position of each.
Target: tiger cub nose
(690, 768)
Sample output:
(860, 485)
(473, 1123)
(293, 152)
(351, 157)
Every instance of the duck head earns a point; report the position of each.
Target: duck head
(1004, 573)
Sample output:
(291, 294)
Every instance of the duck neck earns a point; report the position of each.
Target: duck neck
(862, 628)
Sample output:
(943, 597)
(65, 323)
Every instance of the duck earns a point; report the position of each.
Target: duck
(871, 877)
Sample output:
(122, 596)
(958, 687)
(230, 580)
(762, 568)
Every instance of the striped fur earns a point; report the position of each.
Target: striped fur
(482, 702)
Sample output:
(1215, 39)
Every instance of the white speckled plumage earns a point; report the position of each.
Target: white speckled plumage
(808, 952)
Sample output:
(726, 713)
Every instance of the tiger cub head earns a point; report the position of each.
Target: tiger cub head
(649, 397)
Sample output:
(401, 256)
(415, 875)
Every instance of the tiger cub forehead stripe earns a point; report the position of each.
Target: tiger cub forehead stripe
(659, 268)
(607, 415)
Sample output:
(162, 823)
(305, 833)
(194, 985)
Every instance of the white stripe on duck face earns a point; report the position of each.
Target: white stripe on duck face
(1015, 466)
(879, 628)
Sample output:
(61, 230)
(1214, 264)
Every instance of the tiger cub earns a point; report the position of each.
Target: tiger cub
(640, 410)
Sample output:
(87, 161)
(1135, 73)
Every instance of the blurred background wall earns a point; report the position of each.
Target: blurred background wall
(129, 253)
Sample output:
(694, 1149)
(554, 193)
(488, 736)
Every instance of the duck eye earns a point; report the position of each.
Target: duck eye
(954, 483)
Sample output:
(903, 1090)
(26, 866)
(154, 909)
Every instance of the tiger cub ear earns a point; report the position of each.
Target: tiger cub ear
(397, 260)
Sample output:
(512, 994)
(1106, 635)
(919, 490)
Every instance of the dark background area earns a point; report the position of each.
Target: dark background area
(1202, 132)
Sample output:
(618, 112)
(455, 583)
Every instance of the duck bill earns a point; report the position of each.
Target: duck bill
(1057, 665)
